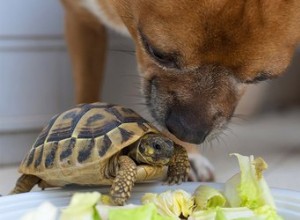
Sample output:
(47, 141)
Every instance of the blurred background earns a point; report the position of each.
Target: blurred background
(36, 83)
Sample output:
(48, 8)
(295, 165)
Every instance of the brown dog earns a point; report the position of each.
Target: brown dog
(195, 56)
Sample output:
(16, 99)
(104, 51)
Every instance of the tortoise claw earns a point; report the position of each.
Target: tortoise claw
(177, 175)
(179, 167)
(119, 201)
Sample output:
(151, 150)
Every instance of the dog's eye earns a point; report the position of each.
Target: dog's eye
(165, 59)
(261, 77)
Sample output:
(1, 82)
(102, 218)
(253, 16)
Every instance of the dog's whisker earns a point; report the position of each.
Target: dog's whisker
(206, 145)
(218, 140)
(140, 104)
(130, 75)
(240, 116)
(134, 79)
(134, 95)
(224, 134)
(136, 86)
(231, 133)
(211, 146)
(222, 139)
(122, 50)
(131, 54)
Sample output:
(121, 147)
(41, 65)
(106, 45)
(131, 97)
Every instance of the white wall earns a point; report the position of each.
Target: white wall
(35, 73)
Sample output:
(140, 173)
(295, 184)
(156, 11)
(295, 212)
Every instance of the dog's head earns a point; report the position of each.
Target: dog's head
(196, 57)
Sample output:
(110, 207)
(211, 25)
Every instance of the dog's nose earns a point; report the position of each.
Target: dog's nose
(186, 127)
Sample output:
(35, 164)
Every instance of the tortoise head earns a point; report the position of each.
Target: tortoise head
(154, 149)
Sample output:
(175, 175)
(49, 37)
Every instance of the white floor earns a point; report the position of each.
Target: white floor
(274, 137)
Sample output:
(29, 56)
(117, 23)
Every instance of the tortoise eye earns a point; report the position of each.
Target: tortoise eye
(157, 146)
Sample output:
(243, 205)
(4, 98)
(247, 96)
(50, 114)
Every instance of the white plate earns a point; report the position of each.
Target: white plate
(13, 207)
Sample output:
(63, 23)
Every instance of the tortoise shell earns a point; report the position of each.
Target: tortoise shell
(75, 146)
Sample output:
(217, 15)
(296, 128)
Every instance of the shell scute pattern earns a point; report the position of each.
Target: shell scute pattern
(84, 136)
(89, 132)
(69, 120)
(85, 152)
(106, 144)
(94, 118)
(44, 134)
(126, 135)
(65, 124)
(91, 126)
(50, 156)
(126, 115)
(39, 157)
(67, 148)
(29, 158)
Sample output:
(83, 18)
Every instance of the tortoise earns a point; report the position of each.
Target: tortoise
(101, 144)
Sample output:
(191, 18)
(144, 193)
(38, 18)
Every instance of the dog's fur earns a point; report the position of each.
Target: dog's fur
(195, 56)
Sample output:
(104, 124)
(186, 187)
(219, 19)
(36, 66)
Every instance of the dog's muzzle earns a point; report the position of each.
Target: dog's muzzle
(186, 127)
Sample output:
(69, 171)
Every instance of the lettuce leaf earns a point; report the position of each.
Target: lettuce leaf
(207, 197)
(82, 207)
(104, 210)
(224, 214)
(249, 189)
(171, 203)
(145, 212)
(93, 206)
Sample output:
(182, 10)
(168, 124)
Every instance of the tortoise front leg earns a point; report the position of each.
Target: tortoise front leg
(124, 181)
(179, 166)
(25, 183)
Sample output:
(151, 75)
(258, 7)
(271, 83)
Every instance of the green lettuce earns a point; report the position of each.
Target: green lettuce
(82, 207)
(249, 189)
(171, 203)
(145, 212)
(94, 206)
(241, 213)
(207, 197)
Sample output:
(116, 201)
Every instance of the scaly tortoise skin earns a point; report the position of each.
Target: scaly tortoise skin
(101, 144)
